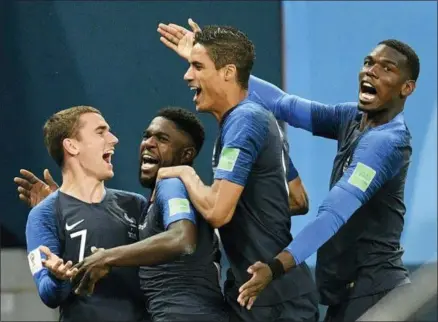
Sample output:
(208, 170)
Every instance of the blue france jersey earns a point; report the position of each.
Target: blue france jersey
(250, 152)
(70, 227)
(372, 166)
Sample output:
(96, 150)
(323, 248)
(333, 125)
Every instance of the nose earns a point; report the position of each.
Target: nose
(371, 71)
(148, 143)
(188, 76)
(113, 139)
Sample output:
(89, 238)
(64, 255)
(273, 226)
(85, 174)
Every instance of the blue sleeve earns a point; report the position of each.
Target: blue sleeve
(173, 201)
(243, 135)
(320, 119)
(41, 230)
(292, 173)
(377, 159)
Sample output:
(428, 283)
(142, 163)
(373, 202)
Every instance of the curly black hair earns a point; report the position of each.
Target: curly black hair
(413, 62)
(186, 121)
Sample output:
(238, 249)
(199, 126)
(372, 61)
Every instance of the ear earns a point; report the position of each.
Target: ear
(230, 72)
(70, 146)
(407, 88)
(188, 155)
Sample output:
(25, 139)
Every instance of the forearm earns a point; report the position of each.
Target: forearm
(52, 291)
(292, 109)
(158, 249)
(334, 212)
(201, 196)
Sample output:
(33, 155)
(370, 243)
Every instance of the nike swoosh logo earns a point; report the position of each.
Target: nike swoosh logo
(67, 227)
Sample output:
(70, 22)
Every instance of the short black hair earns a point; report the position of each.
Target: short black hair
(185, 121)
(404, 49)
(228, 45)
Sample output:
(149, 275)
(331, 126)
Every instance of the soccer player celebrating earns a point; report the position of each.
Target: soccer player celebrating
(81, 214)
(248, 200)
(178, 247)
(358, 227)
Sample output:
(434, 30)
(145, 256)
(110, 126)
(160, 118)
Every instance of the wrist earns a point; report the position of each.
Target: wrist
(276, 267)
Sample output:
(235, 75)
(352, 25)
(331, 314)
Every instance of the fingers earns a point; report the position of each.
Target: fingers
(168, 44)
(171, 34)
(46, 251)
(49, 180)
(23, 183)
(29, 176)
(181, 30)
(195, 27)
(83, 283)
(25, 199)
(251, 302)
(253, 268)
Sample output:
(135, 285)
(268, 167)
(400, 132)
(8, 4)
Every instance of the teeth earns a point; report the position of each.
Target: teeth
(193, 88)
(366, 84)
(147, 158)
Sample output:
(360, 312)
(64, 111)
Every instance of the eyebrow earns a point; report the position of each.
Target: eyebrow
(197, 63)
(157, 133)
(385, 60)
(103, 127)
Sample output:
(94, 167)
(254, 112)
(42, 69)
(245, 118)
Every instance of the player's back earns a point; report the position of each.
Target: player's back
(110, 223)
(364, 256)
(260, 227)
(187, 288)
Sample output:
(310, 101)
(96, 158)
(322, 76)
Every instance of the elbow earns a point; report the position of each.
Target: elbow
(300, 207)
(218, 219)
(49, 301)
(186, 244)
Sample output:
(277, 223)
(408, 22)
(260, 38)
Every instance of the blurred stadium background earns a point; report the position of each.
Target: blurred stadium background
(107, 54)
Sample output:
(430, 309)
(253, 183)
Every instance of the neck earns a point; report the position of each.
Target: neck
(229, 101)
(374, 119)
(81, 186)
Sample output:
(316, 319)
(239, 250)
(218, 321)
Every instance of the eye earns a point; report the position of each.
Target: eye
(386, 69)
(367, 62)
(163, 139)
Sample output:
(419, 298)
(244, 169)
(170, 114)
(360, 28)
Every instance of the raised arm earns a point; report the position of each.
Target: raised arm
(41, 231)
(320, 119)
(378, 157)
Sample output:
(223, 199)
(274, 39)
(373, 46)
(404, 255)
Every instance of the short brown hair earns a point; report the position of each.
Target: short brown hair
(228, 45)
(62, 125)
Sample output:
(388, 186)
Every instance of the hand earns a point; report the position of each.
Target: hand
(174, 172)
(91, 270)
(261, 277)
(56, 265)
(32, 190)
(178, 38)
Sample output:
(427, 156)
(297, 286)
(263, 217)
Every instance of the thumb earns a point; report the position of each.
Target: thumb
(45, 250)
(253, 268)
(195, 27)
(49, 180)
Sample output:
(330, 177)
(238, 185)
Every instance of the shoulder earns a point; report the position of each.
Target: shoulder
(390, 135)
(45, 209)
(249, 118)
(171, 187)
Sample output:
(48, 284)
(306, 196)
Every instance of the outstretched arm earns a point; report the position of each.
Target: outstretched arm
(377, 159)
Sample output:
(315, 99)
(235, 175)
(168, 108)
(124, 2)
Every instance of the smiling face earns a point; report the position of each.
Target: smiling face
(92, 147)
(203, 77)
(163, 145)
(384, 80)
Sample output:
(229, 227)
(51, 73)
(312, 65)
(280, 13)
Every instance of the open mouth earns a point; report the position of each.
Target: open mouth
(368, 92)
(107, 156)
(197, 90)
(148, 161)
